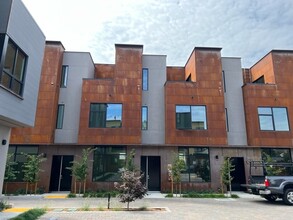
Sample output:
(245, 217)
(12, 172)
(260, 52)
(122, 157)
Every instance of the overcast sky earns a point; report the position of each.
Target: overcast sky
(242, 28)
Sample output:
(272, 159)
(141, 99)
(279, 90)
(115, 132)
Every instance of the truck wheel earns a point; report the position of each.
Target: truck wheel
(270, 198)
(288, 197)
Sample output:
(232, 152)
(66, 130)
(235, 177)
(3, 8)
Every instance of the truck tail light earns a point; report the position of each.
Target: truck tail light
(267, 183)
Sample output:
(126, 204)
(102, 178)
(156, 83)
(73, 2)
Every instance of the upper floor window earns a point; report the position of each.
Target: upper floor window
(60, 116)
(191, 117)
(105, 115)
(64, 76)
(144, 118)
(260, 80)
(145, 79)
(273, 118)
(13, 73)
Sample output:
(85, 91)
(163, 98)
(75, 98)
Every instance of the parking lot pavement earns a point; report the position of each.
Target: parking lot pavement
(246, 207)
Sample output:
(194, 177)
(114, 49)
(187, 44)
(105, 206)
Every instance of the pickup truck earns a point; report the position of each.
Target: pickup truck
(271, 187)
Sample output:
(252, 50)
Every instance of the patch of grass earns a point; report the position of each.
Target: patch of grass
(31, 214)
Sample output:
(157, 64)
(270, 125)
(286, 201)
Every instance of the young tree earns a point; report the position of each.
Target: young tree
(31, 169)
(131, 188)
(177, 166)
(10, 172)
(79, 169)
(226, 177)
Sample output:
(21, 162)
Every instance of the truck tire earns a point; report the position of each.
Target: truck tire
(288, 197)
(270, 198)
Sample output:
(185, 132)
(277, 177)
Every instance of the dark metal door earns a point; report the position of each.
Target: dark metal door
(151, 167)
(238, 174)
(60, 175)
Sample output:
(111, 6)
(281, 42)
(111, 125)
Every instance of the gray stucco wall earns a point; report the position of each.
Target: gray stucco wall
(23, 31)
(154, 99)
(234, 101)
(80, 66)
(4, 135)
(5, 7)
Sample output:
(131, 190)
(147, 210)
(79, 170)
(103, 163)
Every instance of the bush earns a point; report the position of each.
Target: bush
(19, 192)
(71, 195)
(31, 214)
(2, 206)
(100, 194)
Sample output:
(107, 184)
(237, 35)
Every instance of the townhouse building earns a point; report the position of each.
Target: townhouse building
(22, 46)
(207, 110)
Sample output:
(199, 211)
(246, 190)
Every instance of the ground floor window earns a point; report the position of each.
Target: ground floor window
(277, 155)
(197, 163)
(19, 157)
(108, 160)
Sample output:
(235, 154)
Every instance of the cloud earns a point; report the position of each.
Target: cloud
(248, 29)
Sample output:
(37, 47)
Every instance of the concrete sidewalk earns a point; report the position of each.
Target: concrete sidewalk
(60, 204)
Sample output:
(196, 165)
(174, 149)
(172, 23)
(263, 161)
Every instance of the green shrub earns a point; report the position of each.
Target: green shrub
(100, 194)
(31, 214)
(2, 205)
(71, 195)
(169, 195)
(19, 192)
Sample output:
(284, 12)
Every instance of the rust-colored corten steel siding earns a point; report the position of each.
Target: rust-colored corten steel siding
(276, 67)
(124, 88)
(45, 123)
(204, 65)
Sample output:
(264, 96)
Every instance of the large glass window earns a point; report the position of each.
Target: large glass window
(107, 163)
(103, 115)
(145, 79)
(12, 76)
(197, 164)
(273, 118)
(60, 116)
(191, 117)
(20, 158)
(144, 118)
(64, 76)
(281, 156)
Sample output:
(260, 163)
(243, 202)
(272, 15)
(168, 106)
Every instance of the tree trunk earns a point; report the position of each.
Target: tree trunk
(26, 188)
(5, 192)
(74, 186)
(36, 186)
(180, 189)
(84, 183)
(127, 206)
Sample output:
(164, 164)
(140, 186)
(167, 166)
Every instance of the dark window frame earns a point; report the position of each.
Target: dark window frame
(101, 157)
(18, 153)
(98, 118)
(14, 84)
(60, 116)
(189, 158)
(147, 118)
(271, 115)
(187, 117)
(64, 76)
(145, 87)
